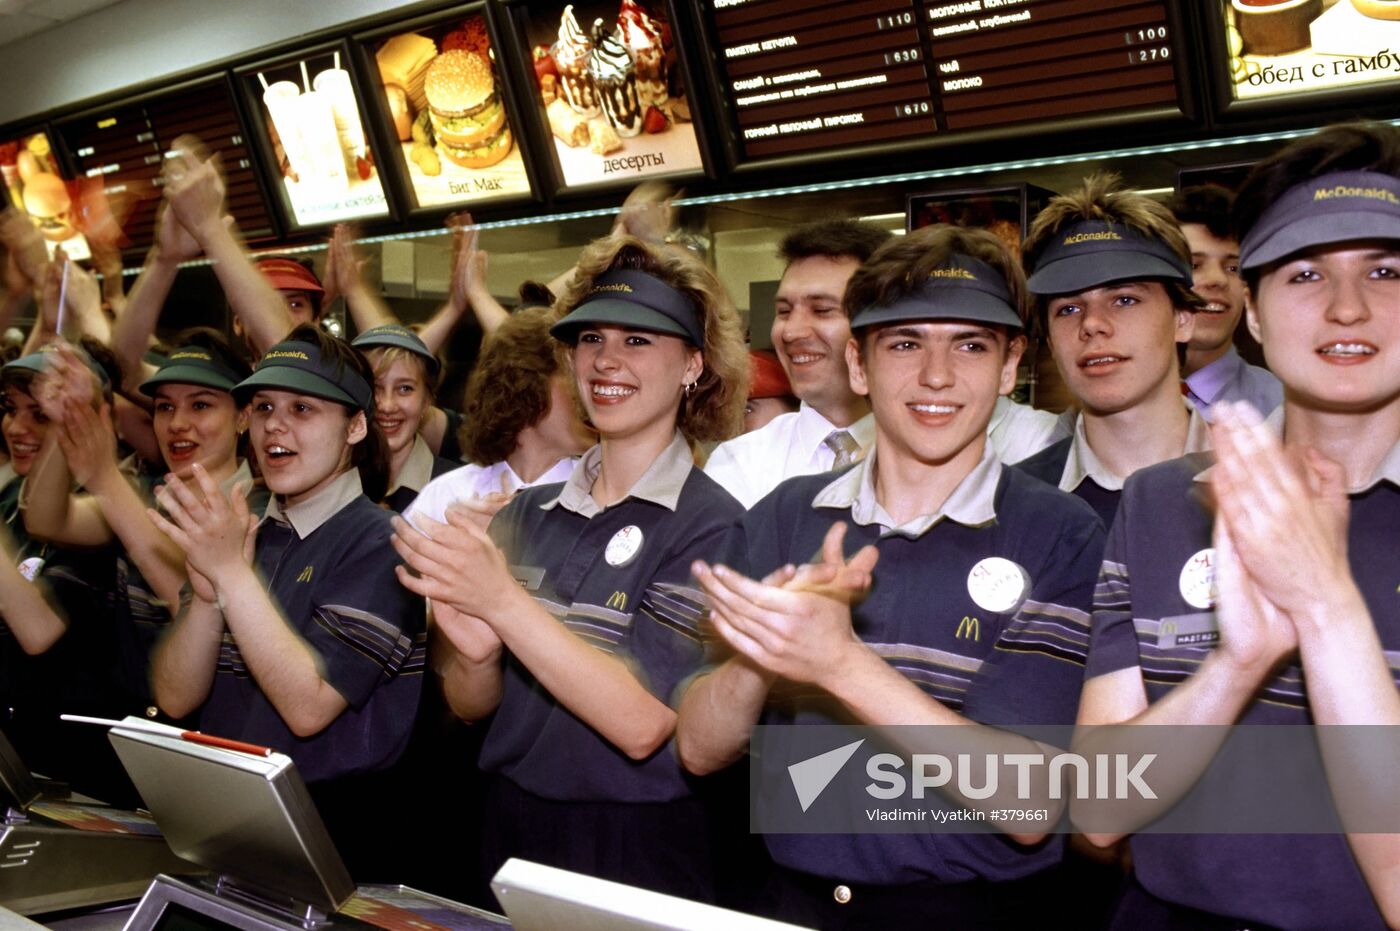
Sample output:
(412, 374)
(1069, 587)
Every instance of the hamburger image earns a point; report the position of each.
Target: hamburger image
(469, 120)
(47, 202)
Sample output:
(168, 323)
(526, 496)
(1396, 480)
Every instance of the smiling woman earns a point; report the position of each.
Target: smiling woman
(581, 658)
(405, 372)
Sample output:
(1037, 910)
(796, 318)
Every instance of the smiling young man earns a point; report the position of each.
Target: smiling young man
(832, 428)
(1214, 371)
(937, 322)
(1110, 276)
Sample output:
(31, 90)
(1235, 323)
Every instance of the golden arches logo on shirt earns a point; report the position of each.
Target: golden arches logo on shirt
(306, 574)
(969, 628)
(618, 601)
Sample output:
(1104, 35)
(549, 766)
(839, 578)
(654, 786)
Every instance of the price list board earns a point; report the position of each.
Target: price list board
(1013, 61)
(126, 144)
(802, 77)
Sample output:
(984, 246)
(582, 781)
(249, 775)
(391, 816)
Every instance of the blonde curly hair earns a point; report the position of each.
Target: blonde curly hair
(714, 410)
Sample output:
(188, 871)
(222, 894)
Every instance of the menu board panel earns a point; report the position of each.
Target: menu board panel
(823, 75)
(442, 92)
(1283, 47)
(309, 116)
(808, 77)
(1060, 58)
(36, 188)
(126, 144)
(612, 90)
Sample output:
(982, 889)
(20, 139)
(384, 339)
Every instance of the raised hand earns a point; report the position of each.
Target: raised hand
(194, 189)
(65, 380)
(88, 440)
(25, 245)
(835, 576)
(455, 563)
(468, 634)
(217, 532)
(1286, 513)
(647, 213)
(468, 261)
(173, 240)
(344, 264)
(83, 294)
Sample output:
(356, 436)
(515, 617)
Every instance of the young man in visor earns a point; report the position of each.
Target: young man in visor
(1110, 276)
(936, 319)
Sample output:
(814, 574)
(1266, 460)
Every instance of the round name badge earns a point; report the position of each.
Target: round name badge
(30, 568)
(624, 546)
(998, 585)
(1197, 581)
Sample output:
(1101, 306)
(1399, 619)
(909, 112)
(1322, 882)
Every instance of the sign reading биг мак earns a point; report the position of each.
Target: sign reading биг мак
(1281, 47)
(610, 83)
(443, 92)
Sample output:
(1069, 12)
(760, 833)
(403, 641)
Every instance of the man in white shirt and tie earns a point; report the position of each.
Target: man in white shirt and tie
(833, 427)
(1214, 371)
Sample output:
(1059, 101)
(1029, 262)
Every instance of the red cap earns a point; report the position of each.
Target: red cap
(766, 376)
(287, 275)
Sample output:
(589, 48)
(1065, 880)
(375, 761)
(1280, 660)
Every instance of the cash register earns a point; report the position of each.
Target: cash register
(60, 851)
(248, 819)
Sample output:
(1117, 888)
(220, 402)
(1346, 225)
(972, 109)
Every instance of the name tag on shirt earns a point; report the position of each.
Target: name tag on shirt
(529, 577)
(1188, 630)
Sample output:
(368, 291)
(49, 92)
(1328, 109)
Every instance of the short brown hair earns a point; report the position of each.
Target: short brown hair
(833, 239)
(900, 266)
(1205, 204)
(508, 389)
(1101, 197)
(715, 409)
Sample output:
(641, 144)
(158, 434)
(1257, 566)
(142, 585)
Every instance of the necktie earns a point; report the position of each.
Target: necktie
(845, 447)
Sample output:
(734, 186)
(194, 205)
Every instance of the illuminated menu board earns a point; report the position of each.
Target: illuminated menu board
(611, 88)
(1014, 61)
(802, 77)
(309, 115)
(806, 76)
(1282, 47)
(442, 97)
(35, 187)
(124, 147)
